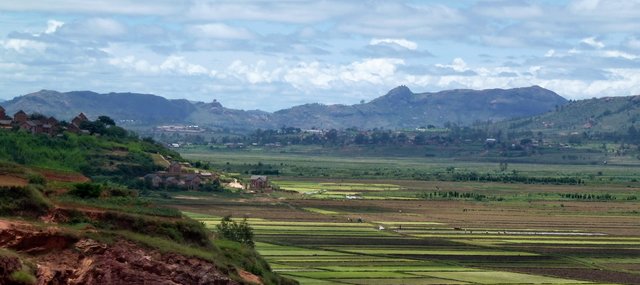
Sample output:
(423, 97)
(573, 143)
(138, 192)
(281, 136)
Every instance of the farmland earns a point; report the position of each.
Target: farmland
(408, 231)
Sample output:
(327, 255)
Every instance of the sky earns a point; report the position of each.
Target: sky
(254, 54)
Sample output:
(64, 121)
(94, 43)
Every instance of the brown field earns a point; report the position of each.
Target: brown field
(58, 176)
(8, 180)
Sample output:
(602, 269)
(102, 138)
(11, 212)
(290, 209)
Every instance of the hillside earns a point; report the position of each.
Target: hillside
(399, 108)
(591, 116)
(72, 211)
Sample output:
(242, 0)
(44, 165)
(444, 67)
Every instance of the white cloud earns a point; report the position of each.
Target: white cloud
(550, 53)
(93, 28)
(53, 26)
(617, 53)
(254, 74)
(506, 9)
(374, 71)
(306, 75)
(399, 42)
(633, 43)
(273, 11)
(220, 31)
(126, 7)
(23, 45)
(179, 65)
(592, 42)
(584, 5)
(310, 75)
(458, 64)
(172, 64)
(395, 19)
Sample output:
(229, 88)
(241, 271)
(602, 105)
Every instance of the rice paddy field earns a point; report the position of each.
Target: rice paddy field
(340, 241)
(327, 230)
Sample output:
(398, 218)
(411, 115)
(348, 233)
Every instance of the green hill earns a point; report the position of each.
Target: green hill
(610, 116)
(99, 229)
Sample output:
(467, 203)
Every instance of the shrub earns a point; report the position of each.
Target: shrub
(23, 201)
(23, 277)
(86, 190)
(36, 179)
(239, 232)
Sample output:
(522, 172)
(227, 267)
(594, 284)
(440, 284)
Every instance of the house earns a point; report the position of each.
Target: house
(172, 182)
(260, 182)
(20, 117)
(192, 181)
(6, 124)
(79, 119)
(153, 180)
(3, 114)
(174, 168)
(32, 126)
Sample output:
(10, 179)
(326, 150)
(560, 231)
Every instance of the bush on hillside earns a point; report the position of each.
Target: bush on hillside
(36, 179)
(86, 190)
(23, 201)
(232, 230)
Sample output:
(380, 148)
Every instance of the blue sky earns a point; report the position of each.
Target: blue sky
(275, 54)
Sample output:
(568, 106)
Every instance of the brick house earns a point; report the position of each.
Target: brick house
(79, 119)
(259, 182)
(20, 117)
(175, 168)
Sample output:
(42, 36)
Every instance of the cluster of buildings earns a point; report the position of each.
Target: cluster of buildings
(180, 129)
(176, 177)
(39, 124)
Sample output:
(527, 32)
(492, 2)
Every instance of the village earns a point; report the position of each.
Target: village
(182, 176)
(40, 124)
(178, 175)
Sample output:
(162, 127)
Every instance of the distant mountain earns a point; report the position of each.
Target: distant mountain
(399, 108)
(144, 108)
(598, 115)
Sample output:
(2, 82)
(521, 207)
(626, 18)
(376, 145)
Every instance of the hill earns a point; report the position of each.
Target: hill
(399, 108)
(598, 116)
(143, 108)
(70, 213)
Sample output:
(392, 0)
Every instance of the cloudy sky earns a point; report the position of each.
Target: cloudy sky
(275, 54)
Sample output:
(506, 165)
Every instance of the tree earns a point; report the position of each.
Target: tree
(239, 232)
(106, 120)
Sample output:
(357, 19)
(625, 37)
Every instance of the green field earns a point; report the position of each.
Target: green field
(403, 230)
(376, 263)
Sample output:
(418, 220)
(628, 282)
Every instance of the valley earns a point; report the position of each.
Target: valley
(331, 229)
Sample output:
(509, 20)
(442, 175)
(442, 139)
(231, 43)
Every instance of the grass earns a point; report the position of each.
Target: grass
(130, 205)
(23, 201)
(348, 165)
(23, 276)
(497, 277)
(418, 251)
(352, 274)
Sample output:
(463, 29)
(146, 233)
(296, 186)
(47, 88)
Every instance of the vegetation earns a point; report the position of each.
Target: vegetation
(23, 202)
(239, 232)
(24, 276)
(108, 205)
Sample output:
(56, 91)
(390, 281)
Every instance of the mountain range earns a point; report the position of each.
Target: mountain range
(399, 108)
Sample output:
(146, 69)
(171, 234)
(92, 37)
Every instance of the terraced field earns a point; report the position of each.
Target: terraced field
(421, 252)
